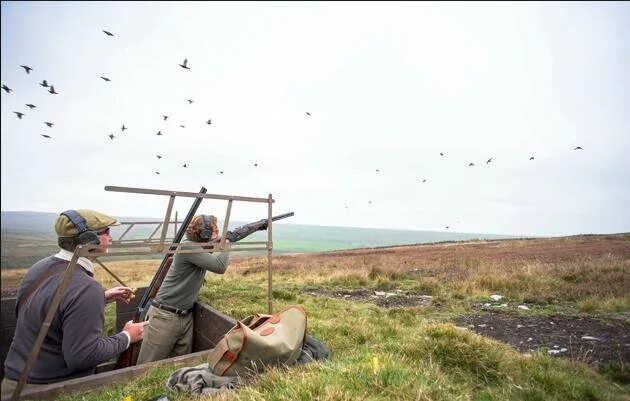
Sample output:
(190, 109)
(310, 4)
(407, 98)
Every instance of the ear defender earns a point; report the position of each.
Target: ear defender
(206, 233)
(86, 236)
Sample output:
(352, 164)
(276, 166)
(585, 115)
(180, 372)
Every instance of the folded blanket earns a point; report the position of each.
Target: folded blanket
(199, 380)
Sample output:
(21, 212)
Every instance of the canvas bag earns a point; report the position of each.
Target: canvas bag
(259, 341)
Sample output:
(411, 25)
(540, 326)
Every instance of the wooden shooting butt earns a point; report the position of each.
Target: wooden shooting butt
(209, 327)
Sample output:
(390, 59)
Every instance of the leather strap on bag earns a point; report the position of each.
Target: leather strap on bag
(51, 271)
(224, 355)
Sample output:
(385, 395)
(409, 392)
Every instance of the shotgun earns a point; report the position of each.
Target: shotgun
(129, 356)
(243, 231)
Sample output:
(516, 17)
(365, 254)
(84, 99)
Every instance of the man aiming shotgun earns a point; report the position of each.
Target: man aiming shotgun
(170, 331)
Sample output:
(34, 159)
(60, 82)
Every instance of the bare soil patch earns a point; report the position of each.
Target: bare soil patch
(395, 299)
(591, 340)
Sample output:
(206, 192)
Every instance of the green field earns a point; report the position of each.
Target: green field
(28, 236)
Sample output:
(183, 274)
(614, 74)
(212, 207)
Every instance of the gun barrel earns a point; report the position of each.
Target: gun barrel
(282, 216)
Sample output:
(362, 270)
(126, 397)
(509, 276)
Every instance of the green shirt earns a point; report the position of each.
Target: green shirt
(184, 279)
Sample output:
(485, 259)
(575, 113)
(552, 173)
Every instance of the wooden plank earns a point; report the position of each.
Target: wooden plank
(120, 376)
(7, 312)
(8, 319)
(185, 194)
(209, 326)
(6, 338)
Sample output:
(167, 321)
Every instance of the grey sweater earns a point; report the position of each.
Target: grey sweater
(185, 277)
(73, 346)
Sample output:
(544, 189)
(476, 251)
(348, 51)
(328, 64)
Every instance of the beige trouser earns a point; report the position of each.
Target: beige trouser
(7, 386)
(167, 335)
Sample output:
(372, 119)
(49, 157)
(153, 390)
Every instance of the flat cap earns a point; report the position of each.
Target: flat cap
(95, 221)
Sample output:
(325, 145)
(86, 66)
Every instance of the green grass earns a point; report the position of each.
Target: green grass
(417, 359)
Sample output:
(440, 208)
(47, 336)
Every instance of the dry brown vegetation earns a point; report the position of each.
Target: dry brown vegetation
(573, 269)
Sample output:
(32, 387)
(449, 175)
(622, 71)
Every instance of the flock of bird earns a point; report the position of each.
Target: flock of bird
(184, 65)
(471, 164)
(44, 83)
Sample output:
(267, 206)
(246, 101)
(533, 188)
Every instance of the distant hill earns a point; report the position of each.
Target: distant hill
(29, 236)
(32, 222)
(41, 223)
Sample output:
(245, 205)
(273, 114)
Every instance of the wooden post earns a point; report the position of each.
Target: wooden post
(269, 250)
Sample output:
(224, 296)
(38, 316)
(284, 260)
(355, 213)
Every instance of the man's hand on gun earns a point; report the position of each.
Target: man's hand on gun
(135, 330)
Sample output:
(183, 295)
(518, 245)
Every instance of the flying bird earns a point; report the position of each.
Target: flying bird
(190, 101)
(52, 90)
(6, 88)
(31, 106)
(489, 160)
(181, 126)
(184, 165)
(26, 68)
(159, 157)
(46, 136)
(441, 154)
(105, 79)
(424, 180)
(157, 172)
(19, 115)
(159, 133)
(48, 124)
(471, 165)
(308, 114)
(44, 84)
(447, 227)
(378, 171)
(209, 121)
(185, 64)
(111, 136)
(578, 148)
(108, 33)
(531, 158)
(123, 128)
(255, 164)
(221, 172)
(165, 117)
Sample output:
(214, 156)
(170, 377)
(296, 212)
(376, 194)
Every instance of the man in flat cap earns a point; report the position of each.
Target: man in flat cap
(74, 344)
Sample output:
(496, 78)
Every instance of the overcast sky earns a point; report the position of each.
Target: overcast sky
(388, 85)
